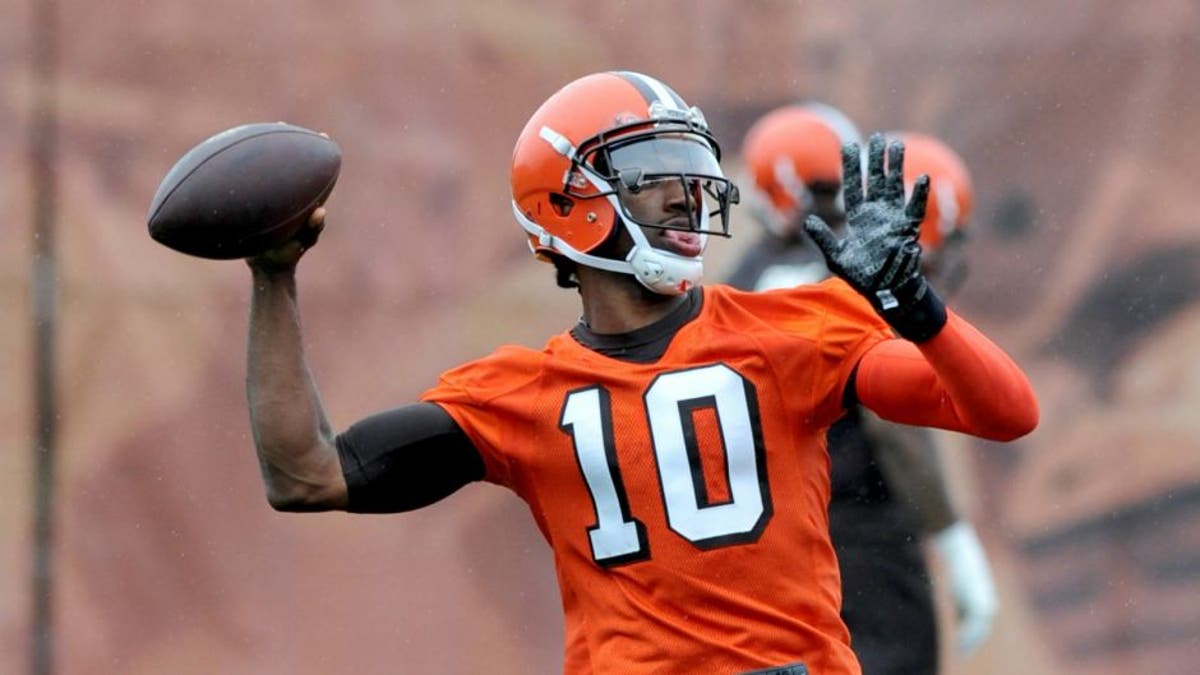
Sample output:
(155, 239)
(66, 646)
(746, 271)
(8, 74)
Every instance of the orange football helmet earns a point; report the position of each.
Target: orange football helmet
(789, 150)
(951, 195)
(608, 132)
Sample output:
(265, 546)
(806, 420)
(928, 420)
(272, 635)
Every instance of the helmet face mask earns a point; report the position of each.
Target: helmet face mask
(620, 150)
(674, 164)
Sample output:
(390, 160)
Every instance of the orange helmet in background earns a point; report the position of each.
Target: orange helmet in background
(951, 195)
(787, 152)
(608, 131)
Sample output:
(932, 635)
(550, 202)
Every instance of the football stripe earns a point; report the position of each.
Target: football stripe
(653, 90)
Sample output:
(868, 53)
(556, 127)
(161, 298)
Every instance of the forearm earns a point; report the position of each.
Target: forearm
(300, 466)
(958, 380)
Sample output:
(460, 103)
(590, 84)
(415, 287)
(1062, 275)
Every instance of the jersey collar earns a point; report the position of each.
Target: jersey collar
(648, 343)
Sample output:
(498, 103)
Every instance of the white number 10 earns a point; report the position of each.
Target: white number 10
(670, 403)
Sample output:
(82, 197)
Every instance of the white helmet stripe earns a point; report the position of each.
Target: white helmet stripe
(947, 203)
(561, 144)
(653, 90)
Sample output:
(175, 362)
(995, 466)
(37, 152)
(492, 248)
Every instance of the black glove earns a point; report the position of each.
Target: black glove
(880, 256)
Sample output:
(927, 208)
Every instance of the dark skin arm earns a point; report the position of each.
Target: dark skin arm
(295, 443)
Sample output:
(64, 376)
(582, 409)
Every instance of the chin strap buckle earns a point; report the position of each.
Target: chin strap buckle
(651, 269)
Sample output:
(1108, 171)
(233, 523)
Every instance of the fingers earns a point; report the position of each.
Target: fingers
(286, 255)
(876, 178)
(822, 235)
(916, 203)
(308, 236)
(851, 176)
(893, 190)
(306, 239)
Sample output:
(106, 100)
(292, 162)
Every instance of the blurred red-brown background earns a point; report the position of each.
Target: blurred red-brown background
(1080, 123)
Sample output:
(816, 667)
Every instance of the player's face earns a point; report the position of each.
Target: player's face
(673, 209)
(823, 200)
(827, 204)
(671, 182)
(668, 202)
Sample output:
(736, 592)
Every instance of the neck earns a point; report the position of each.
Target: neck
(616, 303)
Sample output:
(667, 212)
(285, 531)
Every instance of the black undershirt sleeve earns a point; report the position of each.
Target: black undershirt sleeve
(850, 393)
(406, 458)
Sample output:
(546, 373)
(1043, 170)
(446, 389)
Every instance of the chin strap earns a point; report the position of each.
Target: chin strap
(662, 272)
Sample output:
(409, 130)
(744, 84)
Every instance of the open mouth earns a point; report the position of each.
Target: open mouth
(682, 242)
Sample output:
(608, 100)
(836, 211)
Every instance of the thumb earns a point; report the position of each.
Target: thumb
(917, 202)
(822, 235)
(317, 219)
(312, 229)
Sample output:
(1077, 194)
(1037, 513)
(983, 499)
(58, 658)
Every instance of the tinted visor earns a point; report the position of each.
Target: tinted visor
(666, 155)
(672, 182)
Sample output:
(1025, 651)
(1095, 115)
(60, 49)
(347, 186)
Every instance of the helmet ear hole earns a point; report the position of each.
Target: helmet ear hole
(562, 204)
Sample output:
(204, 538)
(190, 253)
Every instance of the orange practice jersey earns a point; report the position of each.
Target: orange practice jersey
(685, 500)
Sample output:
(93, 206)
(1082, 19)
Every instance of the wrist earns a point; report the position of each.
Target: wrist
(914, 310)
(272, 279)
(267, 270)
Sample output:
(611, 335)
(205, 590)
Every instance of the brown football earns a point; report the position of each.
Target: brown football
(244, 190)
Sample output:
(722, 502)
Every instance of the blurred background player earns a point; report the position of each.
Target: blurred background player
(794, 156)
(889, 489)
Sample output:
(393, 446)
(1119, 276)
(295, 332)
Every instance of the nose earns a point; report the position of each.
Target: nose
(675, 197)
(681, 196)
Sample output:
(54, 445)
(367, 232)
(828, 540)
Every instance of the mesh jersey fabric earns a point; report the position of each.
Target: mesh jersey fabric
(887, 594)
(708, 466)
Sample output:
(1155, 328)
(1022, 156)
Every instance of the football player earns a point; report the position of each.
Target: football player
(889, 493)
(670, 445)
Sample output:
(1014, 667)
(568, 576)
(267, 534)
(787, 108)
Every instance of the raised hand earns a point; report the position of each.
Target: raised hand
(286, 257)
(880, 256)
